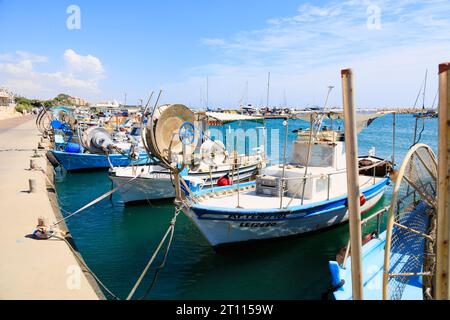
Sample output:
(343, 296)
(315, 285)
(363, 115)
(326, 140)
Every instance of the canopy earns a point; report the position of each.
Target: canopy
(223, 118)
(363, 118)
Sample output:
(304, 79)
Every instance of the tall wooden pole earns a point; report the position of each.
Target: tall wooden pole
(351, 146)
(443, 216)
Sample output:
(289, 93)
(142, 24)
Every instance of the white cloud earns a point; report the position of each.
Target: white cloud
(306, 51)
(79, 75)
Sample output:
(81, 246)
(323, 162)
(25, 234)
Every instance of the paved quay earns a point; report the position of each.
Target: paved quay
(32, 269)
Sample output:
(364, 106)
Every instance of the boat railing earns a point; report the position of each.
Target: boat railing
(379, 216)
(303, 179)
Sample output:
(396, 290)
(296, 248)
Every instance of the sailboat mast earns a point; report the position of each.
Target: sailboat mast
(268, 90)
(424, 89)
(207, 93)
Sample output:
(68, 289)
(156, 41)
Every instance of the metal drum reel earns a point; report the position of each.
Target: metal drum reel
(169, 129)
(96, 140)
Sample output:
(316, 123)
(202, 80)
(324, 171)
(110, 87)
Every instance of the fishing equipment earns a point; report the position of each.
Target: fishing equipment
(97, 140)
(72, 148)
(411, 226)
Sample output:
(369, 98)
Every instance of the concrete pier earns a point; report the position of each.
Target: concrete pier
(32, 269)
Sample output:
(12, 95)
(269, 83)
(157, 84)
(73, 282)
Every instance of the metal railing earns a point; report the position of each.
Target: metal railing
(379, 215)
(303, 179)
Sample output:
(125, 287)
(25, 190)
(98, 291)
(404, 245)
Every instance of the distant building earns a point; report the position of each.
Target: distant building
(6, 98)
(77, 101)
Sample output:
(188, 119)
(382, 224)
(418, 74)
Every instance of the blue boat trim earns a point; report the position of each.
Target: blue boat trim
(85, 161)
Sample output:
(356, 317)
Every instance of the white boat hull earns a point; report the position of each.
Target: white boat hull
(227, 228)
(159, 186)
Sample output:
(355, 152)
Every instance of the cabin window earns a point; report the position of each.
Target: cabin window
(321, 155)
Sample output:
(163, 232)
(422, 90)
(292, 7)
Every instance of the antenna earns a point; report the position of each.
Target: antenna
(320, 120)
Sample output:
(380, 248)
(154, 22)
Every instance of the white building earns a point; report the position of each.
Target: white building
(6, 98)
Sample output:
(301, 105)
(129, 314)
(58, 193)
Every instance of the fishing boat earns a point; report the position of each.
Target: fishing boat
(399, 262)
(155, 182)
(307, 194)
(95, 149)
(213, 163)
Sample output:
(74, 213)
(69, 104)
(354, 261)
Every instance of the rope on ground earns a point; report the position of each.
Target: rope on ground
(170, 232)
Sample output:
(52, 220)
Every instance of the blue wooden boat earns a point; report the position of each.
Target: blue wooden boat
(87, 161)
(399, 264)
(403, 260)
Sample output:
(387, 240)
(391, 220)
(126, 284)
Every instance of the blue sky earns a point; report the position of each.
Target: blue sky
(140, 46)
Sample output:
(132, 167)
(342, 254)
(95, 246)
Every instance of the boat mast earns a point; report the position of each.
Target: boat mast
(443, 219)
(268, 91)
(207, 93)
(424, 89)
(351, 145)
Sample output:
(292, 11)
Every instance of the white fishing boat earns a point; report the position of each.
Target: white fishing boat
(155, 182)
(307, 194)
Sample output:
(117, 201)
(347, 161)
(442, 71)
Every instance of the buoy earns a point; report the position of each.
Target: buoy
(224, 181)
(362, 200)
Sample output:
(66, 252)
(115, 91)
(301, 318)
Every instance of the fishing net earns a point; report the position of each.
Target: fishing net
(411, 259)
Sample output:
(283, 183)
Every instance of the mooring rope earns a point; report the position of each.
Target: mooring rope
(170, 232)
(90, 204)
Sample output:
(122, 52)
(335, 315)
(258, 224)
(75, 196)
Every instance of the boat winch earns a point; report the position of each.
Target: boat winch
(98, 141)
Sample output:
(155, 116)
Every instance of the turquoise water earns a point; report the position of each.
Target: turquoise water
(117, 241)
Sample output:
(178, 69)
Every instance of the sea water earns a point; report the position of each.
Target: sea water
(117, 241)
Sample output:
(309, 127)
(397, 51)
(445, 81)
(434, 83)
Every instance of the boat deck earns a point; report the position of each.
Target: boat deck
(249, 199)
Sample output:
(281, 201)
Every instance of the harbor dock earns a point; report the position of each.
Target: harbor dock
(33, 269)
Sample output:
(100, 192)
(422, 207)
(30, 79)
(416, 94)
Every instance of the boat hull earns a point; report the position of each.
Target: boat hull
(159, 186)
(221, 227)
(86, 161)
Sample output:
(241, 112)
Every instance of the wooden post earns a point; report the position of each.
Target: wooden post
(33, 164)
(32, 185)
(443, 215)
(351, 146)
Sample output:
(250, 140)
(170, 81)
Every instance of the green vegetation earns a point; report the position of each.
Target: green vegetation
(28, 104)
(21, 107)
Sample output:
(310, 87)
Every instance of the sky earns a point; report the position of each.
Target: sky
(101, 50)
